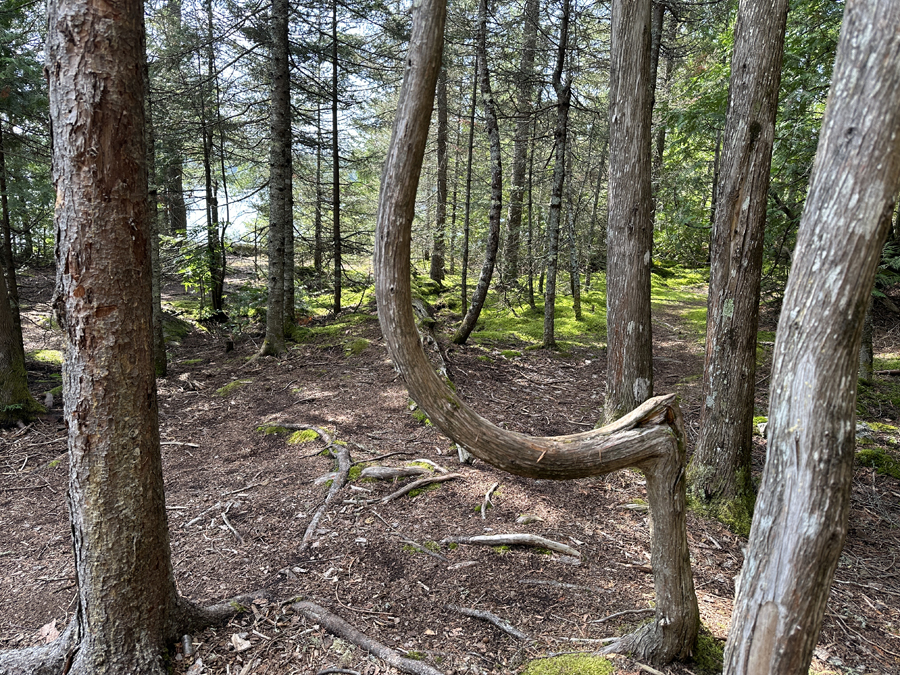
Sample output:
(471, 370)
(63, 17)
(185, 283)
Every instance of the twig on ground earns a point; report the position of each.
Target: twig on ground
(484, 615)
(407, 540)
(648, 669)
(417, 484)
(337, 626)
(325, 671)
(231, 527)
(380, 457)
(190, 445)
(514, 540)
(437, 467)
(487, 500)
(627, 612)
(343, 458)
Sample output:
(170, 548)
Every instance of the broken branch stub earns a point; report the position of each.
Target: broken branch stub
(650, 437)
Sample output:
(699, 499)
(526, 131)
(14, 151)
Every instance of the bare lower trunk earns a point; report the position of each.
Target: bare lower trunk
(650, 437)
(629, 375)
(800, 522)
(439, 243)
(719, 475)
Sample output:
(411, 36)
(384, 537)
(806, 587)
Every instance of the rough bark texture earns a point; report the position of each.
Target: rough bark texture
(126, 590)
(629, 375)
(280, 194)
(8, 260)
(563, 101)
(800, 522)
(650, 437)
(464, 272)
(479, 295)
(524, 96)
(335, 164)
(16, 402)
(719, 474)
(439, 244)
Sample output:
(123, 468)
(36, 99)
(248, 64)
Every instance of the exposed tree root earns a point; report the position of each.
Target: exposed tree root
(514, 540)
(337, 626)
(343, 458)
(492, 618)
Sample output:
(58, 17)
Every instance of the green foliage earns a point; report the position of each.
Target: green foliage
(880, 459)
(570, 664)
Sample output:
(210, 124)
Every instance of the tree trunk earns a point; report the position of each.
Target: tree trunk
(866, 371)
(16, 402)
(629, 374)
(8, 260)
(335, 163)
(650, 437)
(317, 218)
(214, 250)
(524, 95)
(439, 245)
(719, 475)
(574, 273)
(479, 295)
(468, 208)
(801, 515)
(280, 191)
(563, 101)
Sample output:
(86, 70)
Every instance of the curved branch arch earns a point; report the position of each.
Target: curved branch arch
(650, 437)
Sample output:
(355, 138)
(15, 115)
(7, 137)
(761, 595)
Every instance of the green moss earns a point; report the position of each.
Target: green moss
(355, 471)
(56, 391)
(880, 427)
(425, 488)
(878, 399)
(765, 336)
(708, 653)
(570, 664)
(415, 656)
(191, 362)
(501, 550)
(887, 362)
(453, 546)
(302, 436)
(485, 358)
(736, 513)
(270, 430)
(881, 460)
(420, 416)
(52, 357)
(759, 419)
(356, 347)
(175, 329)
(53, 464)
(511, 353)
(231, 387)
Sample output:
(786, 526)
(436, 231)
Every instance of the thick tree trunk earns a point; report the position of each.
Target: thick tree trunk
(214, 250)
(719, 475)
(439, 243)
(563, 102)
(16, 403)
(479, 295)
(801, 515)
(650, 437)
(524, 95)
(629, 375)
(280, 192)
(8, 260)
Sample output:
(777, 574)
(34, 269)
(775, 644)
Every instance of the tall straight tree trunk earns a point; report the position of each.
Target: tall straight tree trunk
(280, 190)
(468, 206)
(529, 284)
(563, 102)
(8, 260)
(439, 243)
(16, 402)
(801, 517)
(719, 474)
(574, 273)
(335, 163)
(317, 218)
(214, 250)
(629, 374)
(176, 209)
(866, 372)
(524, 96)
(479, 295)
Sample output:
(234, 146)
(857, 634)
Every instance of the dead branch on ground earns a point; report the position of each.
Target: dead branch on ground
(343, 458)
(487, 500)
(514, 540)
(490, 617)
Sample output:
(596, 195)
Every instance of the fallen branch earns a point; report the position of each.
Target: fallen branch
(502, 624)
(337, 626)
(437, 467)
(487, 500)
(343, 458)
(417, 484)
(514, 540)
(392, 472)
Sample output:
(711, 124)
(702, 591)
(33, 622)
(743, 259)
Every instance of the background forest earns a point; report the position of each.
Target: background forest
(264, 162)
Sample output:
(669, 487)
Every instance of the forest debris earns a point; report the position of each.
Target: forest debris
(392, 472)
(484, 615)
(487, 500)
(407, 540)
(627, 612)
(343, 458)
(241, 644)
(337, 626)
(330, 669)
(437, 467)
(231, 527)
(516, 539)
(422, 482)
(527, 518)
(558, 584)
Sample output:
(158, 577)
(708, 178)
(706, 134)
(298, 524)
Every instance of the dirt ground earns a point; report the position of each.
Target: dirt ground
(239, 501)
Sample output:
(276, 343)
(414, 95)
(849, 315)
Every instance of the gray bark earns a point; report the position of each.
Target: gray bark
(801, 517)
(439, 243)
(335, 165)
(866, 371)
(479, 295)
(650, 437)
(464, 271)
(720, 469)
(629, 375)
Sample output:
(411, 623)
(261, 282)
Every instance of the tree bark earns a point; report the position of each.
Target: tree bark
(335, 164)
(563, 102)
(8, 260)
(523, 111)
(464, 271)
(479, 295)
(280, 190)
(16, 402)
(650, 437)
(801, 517)
(439, 243)
(629, 374)
(866, 372)
(719, 475)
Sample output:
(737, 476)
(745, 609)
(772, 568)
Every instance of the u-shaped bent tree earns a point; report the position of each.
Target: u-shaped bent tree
(649, 438)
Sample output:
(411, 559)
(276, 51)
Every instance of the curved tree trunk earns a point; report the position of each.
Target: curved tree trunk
(800, 522)
(719, 475)
(629, 374)
(479, 295)
(649, 437)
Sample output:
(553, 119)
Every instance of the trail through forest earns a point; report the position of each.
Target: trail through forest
(241, 488)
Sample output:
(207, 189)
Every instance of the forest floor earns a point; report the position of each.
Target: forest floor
(239, 501)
